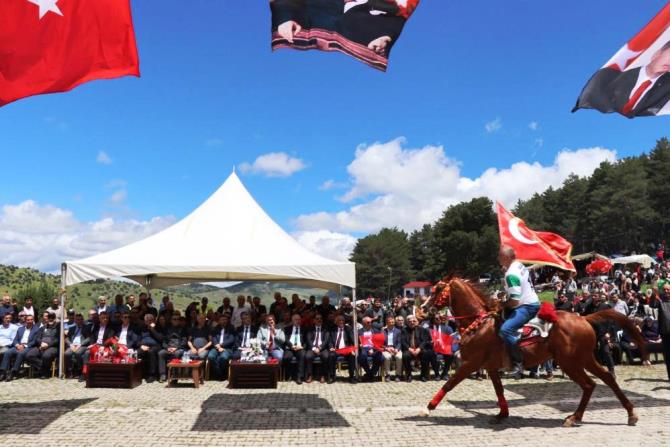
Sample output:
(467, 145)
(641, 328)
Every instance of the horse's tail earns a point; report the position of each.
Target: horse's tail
(624, 323)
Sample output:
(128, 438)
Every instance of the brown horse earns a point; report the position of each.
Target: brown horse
(571, 343)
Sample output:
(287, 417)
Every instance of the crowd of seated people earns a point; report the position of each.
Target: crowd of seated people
(311, 341)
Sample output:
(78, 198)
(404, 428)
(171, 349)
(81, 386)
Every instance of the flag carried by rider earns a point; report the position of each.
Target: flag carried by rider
(536, 247)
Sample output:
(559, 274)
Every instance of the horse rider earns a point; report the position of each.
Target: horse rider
(522, 304)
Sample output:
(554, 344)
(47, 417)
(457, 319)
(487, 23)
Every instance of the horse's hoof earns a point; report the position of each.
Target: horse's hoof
(497, 420)
(632, 420)
(424, 413)
(570, 421)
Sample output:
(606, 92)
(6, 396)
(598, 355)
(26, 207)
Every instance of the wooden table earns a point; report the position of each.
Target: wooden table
(114, 375)
(193, 370)
(253, 375)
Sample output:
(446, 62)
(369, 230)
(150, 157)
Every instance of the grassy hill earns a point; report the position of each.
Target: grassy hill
(21, 281)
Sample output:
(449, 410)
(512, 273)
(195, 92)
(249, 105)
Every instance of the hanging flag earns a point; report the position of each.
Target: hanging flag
(636, 80)
(364, 29)
(49, 46)
(536, 247)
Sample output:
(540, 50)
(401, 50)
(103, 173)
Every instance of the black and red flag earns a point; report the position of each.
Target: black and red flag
(364, 29)
(636, 80)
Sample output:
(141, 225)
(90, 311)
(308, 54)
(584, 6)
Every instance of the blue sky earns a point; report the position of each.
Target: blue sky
(212, 95)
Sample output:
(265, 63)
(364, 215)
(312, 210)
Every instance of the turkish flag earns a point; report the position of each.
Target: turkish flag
(441, 342)
(536, 247)
(49, 46)
(375, 340)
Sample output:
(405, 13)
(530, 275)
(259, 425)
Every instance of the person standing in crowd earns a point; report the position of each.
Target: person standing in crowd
(325, 308)
(664, 326)
(28, 308)
(6, 307)
(225, 307)
(102, 304)
(241, 308)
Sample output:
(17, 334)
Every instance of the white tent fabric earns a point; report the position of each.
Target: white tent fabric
(228, 238)
(644, 260)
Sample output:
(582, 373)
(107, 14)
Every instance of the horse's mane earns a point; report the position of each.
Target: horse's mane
(479, 292)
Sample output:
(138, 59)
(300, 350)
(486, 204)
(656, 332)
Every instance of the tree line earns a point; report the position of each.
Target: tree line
(621, 208)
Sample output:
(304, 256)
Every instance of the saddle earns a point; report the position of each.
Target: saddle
(535, 328)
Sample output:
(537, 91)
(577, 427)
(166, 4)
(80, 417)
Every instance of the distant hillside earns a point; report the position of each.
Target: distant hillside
(21, 281)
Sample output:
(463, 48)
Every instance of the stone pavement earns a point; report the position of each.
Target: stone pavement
(54, 412)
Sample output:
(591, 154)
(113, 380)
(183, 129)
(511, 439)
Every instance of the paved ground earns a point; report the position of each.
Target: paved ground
(54, 412)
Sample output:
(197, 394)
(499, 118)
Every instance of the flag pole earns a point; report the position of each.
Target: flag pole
(63, 313)
(355, 324)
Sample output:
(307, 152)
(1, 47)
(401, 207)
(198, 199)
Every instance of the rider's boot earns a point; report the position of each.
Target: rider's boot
(517, 361)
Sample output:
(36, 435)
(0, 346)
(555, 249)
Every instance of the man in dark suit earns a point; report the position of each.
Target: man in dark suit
(296, 341)
(46, 347)
(416, 344)
(77, 340)
(244, 334)
(318, 345)
(174, 344)
(25, 340)
(223, 342)
(367, 351)
(641, 91)
(342, 337)
(127, 335)
(100, 333)
(149, 344)
(392, 349)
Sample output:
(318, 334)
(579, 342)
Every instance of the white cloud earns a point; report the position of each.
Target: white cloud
(119, 197)
(336, 246)
(103, 158)
(43, 236)
(493, 126)
(394, 186)
(274, 164)
(533, 125)
(331, 184)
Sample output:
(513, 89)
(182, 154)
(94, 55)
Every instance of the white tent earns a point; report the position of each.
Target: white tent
(645, 260)
(228, 238)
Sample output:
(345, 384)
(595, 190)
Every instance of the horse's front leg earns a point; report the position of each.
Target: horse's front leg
(500, 393)
(461, 373)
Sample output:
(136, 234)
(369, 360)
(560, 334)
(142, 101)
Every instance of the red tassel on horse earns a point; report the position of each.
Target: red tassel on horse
(547, 312)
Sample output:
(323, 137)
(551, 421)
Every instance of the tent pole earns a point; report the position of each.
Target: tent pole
(355, 323)
(63, 313)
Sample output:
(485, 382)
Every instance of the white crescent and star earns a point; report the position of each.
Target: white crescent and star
(513, 226)
(47, 6)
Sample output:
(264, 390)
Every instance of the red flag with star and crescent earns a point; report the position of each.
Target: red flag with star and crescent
(535, 247)
(49, 46)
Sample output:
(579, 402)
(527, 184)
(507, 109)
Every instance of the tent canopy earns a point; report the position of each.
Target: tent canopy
(227, 238)
(645, 260)
(589, 255)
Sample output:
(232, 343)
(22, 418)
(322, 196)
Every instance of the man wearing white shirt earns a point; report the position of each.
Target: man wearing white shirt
(7, 333)
(28, 308)
(392, 349)
(242, 307)
(244, 335)
(342, 338)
